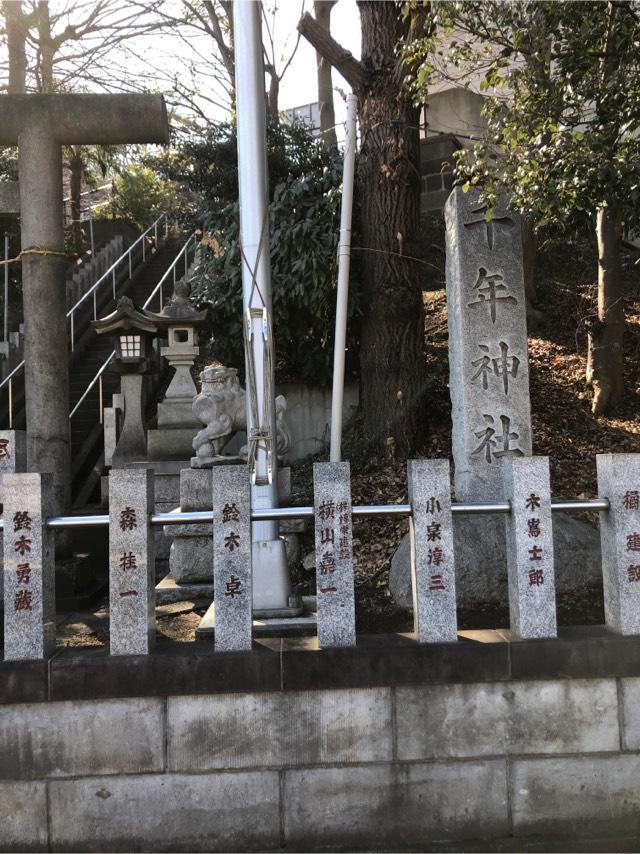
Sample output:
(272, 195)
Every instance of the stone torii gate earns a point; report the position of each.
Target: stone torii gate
(39, 125)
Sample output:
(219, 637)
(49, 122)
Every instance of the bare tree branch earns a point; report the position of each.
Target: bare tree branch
(342, 60)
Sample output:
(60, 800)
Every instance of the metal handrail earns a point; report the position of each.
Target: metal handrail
(185, 250)
(98, 377)
(111, 272)
(280, 513)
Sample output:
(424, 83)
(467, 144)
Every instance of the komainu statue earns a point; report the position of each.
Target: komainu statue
(221, 407)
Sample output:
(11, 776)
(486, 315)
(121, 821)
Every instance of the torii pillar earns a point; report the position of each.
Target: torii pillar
(39, 125)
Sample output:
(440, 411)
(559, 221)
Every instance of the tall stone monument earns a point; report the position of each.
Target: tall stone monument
(489, 386)
(488, 362)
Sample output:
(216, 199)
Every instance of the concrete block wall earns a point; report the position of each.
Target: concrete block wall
(498, 765)
(436, 162)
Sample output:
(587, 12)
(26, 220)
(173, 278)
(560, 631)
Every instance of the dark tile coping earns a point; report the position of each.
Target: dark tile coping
(277, 664)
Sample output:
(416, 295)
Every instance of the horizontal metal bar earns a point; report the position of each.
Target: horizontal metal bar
(281, 513)
(582, 504)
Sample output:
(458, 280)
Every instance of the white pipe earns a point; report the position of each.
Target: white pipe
(5, 325)
(254, 230)
(342, 296)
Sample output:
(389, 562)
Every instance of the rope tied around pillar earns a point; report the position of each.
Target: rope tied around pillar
(33, 250)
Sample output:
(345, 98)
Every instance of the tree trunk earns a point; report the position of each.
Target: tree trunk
(322, 12)
(392, 334)
(16, 37)
(273, 94)
(76, 167)
(46, 46)
(605, 361)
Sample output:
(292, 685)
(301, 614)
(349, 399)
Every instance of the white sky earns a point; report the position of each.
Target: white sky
(299, 85)
(172, 53)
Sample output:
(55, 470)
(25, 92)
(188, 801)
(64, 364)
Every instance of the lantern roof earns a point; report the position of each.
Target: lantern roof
(179, 311)
(126, 317)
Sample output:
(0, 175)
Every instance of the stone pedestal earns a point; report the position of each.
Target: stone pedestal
(190, 552)
(132, 445)
(29, 566)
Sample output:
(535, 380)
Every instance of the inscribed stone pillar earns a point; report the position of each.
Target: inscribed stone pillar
(432, 559)
(232, 570)
(13, 451)
(13, 458)
(334, 554)
(532, 592)
(489, 370)
(29, 569)
(131, 562)
(619, 481)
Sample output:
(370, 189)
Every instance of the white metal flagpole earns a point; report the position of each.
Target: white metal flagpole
(344, 261)
(271, 584)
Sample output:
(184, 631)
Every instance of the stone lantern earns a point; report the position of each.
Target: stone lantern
(133, 332)
(177, 425)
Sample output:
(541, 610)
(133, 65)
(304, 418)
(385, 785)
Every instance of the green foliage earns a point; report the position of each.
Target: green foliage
(140, 195)
(562, 82)
(8, 164)
(304, 217)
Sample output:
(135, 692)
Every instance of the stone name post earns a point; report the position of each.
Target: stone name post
(29, 568)
(13, 451)
(334, 554)
(619, 481)
(532, 592)
(432, 559)
(132, 617)
(232, 570)
(488, 363)
(13, 458)
(39, 125)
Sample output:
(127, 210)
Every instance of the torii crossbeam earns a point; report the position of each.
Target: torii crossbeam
(39, 125)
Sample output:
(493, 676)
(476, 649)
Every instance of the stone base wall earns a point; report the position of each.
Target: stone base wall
(488, 762)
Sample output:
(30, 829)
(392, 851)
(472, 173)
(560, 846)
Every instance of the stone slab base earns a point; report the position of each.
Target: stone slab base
(301, 625)
(481, 560)
(168, 591)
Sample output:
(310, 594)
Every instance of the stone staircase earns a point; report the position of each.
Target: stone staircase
(89, 356)
(86, 428)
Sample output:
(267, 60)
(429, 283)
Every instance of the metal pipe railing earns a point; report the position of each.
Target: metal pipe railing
(97, 378)
(281, 513)
(184, 251)
(190, 244)
(111, 272)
